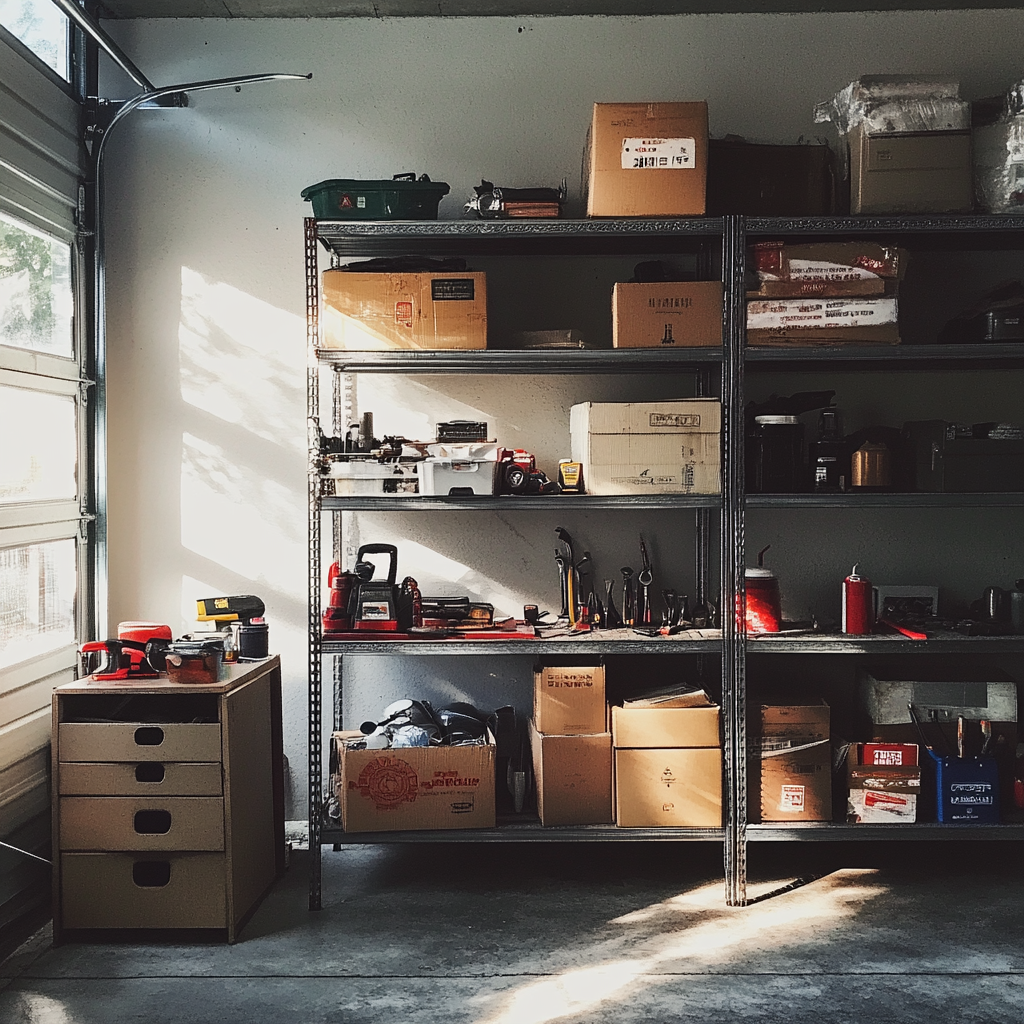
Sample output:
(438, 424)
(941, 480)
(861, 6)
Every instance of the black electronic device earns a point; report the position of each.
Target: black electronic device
(956, 458)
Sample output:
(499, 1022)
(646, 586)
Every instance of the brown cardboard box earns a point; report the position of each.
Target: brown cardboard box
(569, 700)
(886, 334)
(415, 787)
(915, 172)
(769, 181)
(882, 793)
(648, 447)
(375, 312)
(679, 787)
(795, 770)
(646, 160)
(574, 778)
(665, 727)
(669, 314)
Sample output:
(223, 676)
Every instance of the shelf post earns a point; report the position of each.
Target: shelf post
(733, 619)
(315, 766)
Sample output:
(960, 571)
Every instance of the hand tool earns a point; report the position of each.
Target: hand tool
(684, 609)
(960, 737)
(645, 579)
(986, 734)
(670, 597)
(563, 584)
(612, 619)
(566, 539)
(628, 596)
(584, 579)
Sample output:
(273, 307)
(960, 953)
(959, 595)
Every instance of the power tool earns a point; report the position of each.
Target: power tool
(222, 610)
(128, 655)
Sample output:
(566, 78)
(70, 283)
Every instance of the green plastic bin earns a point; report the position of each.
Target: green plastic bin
(402, 198)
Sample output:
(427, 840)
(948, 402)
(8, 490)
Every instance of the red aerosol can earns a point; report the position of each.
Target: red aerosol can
(858, 615)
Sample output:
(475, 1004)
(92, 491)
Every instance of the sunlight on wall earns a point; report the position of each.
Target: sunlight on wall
(238, 360)
(699, 948)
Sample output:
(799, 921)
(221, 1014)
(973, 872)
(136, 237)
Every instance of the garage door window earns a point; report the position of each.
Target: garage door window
(41, 27)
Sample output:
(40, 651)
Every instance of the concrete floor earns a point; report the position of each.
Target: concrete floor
(605, 932)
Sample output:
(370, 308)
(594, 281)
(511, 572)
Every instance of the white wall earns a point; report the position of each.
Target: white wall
(206, 299)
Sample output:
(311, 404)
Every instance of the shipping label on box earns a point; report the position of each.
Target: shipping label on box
(646, 160)
(416, 787)
(375, 312)
(679, 787)
(569, 700)
(666, 727)
(795, 780)
(669, 314)
(573, 776)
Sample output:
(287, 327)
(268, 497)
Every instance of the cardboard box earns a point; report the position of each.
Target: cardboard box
(569, 700)
(141, 823)
(377, 312)
(884, 782)
(646, 160)
(769, 181)
(912, 172)
(415, 787)
(678, 787)
(669, 314)
(828, 262)
(666, 727)
(886, 334)
(573, 775)
(791, 316)
(648, 447)
(794, 777)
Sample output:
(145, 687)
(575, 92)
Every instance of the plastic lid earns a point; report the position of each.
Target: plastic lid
(776, 420)
(756, 573)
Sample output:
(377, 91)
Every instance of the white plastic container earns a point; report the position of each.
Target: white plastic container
(440, 476)
(369, 477)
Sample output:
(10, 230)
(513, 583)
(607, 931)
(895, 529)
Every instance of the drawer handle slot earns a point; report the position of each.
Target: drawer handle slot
(149, 771)
(149, 736)
(152, 823)
(151, 874)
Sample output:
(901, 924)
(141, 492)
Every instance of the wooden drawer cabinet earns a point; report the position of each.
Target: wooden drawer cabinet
(168, 807)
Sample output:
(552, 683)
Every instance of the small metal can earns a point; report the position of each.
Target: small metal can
(858, 612)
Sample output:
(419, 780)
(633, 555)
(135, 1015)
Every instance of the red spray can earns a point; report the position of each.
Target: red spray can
(858, 613)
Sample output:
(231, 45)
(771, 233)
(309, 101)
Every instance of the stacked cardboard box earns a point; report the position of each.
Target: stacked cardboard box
(571, 745)
(795, 770)
(825, 293)
(668, 764)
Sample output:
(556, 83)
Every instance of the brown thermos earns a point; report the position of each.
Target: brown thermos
(871, 466)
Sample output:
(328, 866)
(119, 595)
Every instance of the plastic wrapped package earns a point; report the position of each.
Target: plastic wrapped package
(999, 166)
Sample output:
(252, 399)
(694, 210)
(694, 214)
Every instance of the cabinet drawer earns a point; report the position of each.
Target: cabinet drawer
(146, 778)
(124, 890)
(141, 823)
(137, 741)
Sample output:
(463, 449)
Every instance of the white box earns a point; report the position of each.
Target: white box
(669, 447)
(370, 478)
(439, 476)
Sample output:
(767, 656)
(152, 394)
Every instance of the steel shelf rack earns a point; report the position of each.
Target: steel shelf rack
(584, 238)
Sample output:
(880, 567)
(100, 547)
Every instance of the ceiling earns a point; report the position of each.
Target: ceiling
(505, 8)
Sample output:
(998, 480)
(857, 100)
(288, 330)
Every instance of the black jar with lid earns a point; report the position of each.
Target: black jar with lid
(775, 455)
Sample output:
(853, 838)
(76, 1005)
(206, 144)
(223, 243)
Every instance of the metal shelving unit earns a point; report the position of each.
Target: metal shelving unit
(584, 238)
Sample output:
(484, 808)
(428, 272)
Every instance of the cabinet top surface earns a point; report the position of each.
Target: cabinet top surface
(234, 676)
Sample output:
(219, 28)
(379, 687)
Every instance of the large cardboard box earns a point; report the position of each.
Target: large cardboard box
(667, 314)
(646, 160)
(673, 787)
(884, 782)
(375, 312)
(569, 700)
(415, 787)
(648, 447)
(795, 770)
(573, 775)
(912, 172)
(666, 727)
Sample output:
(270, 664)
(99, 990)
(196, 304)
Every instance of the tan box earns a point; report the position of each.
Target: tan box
(647, 160)
(794, 777)
(880, 793)
(378, 312)
(574, 778)
(416, 787)
(138, 890)
(665, 727)
(149, 778)
(669, 447)
(141, 823)
(675, 787)
(569, 700)
(138, 741)
(912, 172)
(671, 314)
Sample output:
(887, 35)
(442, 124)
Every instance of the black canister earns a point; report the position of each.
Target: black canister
(253, 641)
(775, 459)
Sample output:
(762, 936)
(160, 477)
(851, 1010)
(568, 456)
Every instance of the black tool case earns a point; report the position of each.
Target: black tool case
(944, 461)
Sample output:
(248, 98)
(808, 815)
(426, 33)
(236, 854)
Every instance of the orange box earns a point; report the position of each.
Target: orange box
(574, 778)
(668, 314)
(569, 700)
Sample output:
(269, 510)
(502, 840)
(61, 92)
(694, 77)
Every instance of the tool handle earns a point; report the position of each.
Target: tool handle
(382, 549)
